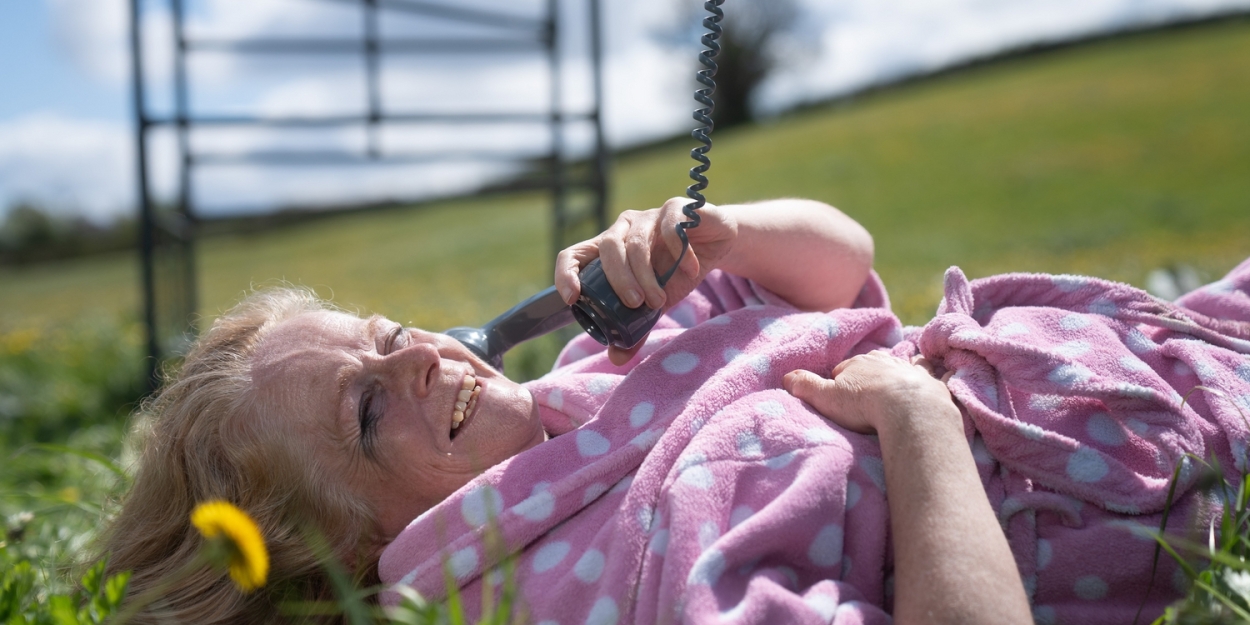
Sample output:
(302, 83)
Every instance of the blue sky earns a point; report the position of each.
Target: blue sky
(65, 127)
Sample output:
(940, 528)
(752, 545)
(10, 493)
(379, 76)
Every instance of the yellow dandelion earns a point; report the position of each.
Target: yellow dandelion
(233, 542)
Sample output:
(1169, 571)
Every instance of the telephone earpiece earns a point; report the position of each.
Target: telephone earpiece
(603, 315)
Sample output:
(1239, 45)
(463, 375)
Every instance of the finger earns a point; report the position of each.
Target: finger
(810, 388)
(842, 366)
(568, 268)
(620, 275)
(621, 357)
(923, 363)
(638, 253)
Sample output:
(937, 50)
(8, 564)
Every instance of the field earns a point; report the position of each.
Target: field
(1110, 159)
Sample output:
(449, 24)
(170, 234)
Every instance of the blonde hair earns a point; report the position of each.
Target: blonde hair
(204, 436)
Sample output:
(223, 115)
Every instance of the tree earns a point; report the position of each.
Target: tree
(750, 49)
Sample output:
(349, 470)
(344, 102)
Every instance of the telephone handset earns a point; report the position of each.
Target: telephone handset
(598, 309)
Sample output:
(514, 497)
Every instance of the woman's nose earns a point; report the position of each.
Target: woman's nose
(419, 363)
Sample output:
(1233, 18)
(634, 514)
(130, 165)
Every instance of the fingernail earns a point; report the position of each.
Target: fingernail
(787, 382)
(565, 295)
(632, 298)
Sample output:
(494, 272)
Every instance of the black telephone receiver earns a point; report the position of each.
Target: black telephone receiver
(598, 309)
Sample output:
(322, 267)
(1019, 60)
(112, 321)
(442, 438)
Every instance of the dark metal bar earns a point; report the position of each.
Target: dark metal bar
(186, 243)
(374, 94)
(146, 234)
(558, 195)
(472, 16)
(463, 45)
(348, 120)
(332, 157)
(601, 144)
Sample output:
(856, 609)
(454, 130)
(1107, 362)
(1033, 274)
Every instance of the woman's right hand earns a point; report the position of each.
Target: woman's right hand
(866, 392)
(643, 243)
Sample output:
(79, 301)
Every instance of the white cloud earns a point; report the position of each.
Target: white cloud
(73, 163)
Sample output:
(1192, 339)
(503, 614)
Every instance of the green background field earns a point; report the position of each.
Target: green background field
(1110, 158)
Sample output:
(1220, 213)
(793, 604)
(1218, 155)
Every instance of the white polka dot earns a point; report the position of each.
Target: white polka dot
(690, 459)
(1181, 582)
(819, 435)
(1013, 329)
(1138, 342)
(875, 469)
(1243, 371)
(1069, 375)
(1180, 368)
(1133, 390)
(646, 515)
(463, 563)
(548, 622)
(1044, 402)
(593, 492)
(980, 453)
(555, 399)
(641, 414)
(770, 408)
(538, 506)
(823, 605)
(773, 328)
(782, 461)
(697, 424)
(601, 384)
(739, 514)
(1104, 430)
(1073, 349)
(549, 555)
(604, 612)
(1030, 431)
(829, 325)
(826, 548)
(591, 443)
(659, 543)
(749, 445)
(708, 533)
(853, 494)
(734, 613)
(1044, 553)
(697, 476)
(1205, 370)
(731, 354)
(1137, 427)
(683, 314)
(1133, 363)
(1069, 283)
(646, 440)
(590, 566)
(1090, 588)
(1122, 508)
(680, 362)
(760, 364)
(1073, 321)
(1086, 465)
(623, 484)
(1104, 307)
(481, 505)
(707, 568)
(719, 320)
(1044, 615)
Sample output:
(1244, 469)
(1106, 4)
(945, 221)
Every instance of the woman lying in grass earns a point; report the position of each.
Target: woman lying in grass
(1025, 437)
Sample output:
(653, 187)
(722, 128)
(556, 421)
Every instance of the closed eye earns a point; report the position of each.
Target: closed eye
(368, 420)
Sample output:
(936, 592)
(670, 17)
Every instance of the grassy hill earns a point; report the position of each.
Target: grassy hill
(1110, 159)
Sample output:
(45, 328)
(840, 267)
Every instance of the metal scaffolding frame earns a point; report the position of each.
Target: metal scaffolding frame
(168, 234)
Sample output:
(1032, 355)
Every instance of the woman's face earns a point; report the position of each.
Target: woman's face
(387, 397)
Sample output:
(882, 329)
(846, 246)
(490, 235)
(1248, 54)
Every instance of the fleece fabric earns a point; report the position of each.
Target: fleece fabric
(688, 487)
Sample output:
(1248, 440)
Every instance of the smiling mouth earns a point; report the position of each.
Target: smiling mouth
(466, 401)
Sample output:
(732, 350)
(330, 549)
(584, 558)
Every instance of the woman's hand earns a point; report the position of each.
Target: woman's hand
(952, 563)
(640, 245)
(643, 243)
(867, 392)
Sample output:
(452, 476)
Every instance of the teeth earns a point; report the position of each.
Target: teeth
(468, 383)
(465, 394)
(460, 406)
(456, 418)
(466, 399)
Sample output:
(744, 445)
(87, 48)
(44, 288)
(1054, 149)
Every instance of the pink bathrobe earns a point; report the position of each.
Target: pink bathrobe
(687, 486)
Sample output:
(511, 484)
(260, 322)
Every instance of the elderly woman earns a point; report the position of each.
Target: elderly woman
(709, 474)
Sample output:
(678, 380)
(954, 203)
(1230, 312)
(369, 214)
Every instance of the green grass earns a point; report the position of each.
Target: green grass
(1108, 159)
